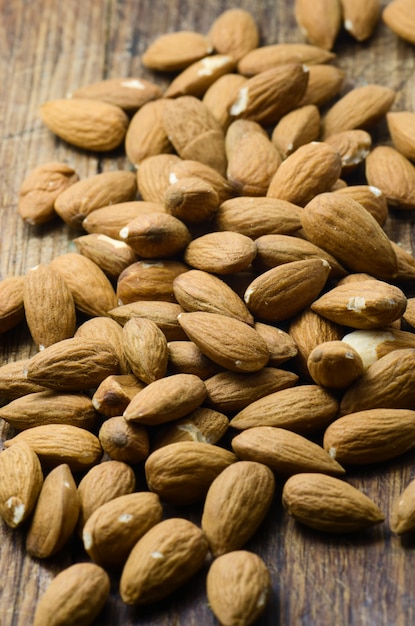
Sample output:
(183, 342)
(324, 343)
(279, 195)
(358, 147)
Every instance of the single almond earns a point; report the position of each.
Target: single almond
(203, 424)
(128, 93)
(154, 175)
(335, 364)
(319, 23)
(353, 147)
(11, 302)
(164, 314)
(398, 16)
(360, 21)
(266, 57)
(324, 83)
(200, 75)
(219, 96)
(191, 200)
(124, 441)
(393, 174)
(145, 134)
(156, 235)
(403, 512)
(149, 280)
(113, 395)
(111, 255)
(145, 347)
(222, 252)
(98, 327)
(109, 220)
(296, 128)
(370, 197)
(281, 346)
(175, 51)
(234, 32)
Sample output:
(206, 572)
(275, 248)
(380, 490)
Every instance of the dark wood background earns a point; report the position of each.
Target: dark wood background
(47, 49)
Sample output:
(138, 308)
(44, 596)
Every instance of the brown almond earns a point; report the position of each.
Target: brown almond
(403, 513)
(156, 235)
(191, 200)
(374, 344)
(353, 146)
(398, 16)
(324, 83)
(393, 174)
(109, 220)
(145, 134)
(267, 57)
(203, 424)
(281, 346)
(296, 128)
(113, 395)
(154, 175)
(124, 441)
(149, 280)
(234, 32)
(183, 168)
(335, 364)
(111, 255)
(360, 20)
(175, 51)
(13, 381)
(401, 125)
(220, 95)
(98, 327)
(224, 252)
(320, 23)
(186, 358)
(11, 302)
(199, 76)
(129, 93)
(370, 197)
(164, 314)
(145, 347)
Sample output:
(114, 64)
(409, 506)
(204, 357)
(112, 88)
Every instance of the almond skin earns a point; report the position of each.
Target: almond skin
(145, 347)
(203, 424)
(186, 358)
(197, 78)
(329, 504)
(76, 595)
(156, 235)
(234, 32)
(191, 200)
(360, 21)
(236, 504)
(297, 128)
(319, 23)
(335, 364)
(98, 327)
(164, 314)
(324, 83)
(398, 16)
(403, 512)
(393, 174)
(111, 255)
(88, 124)
(175, 51)
(145, 135)
(401, 125)
(164, 559)
(124, 441)
(148, 280)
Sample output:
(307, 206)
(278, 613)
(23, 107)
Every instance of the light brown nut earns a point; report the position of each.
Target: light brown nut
(39, 190)
(370, 197)
(49, 306)
(129, 93)
(109, 220)
(285, 290)
(335, 364)
(145, 134)
(393, 174)
(13, 381)
(114, 528)
(181, 473)
(11, 302)
(194, 132)
(238, 583)
(164, 314)
(370, 436)
(374, 344)
(73, 364)
(175, 51)
(281, 347)
(154, 175)
(88, 124)
(166, 399)
(61, 443)
(103, 483)
(267, 57)
(267, 96)
(21, 480)
(87, 195)
(186, 358)
(166, 557)
(399, 17)
(219, 96)
(254, 217)
(388, 383)
(234, 32)
(329, 504)
(111, 255)
(362, 304)
(191, 200)
(198, 77)
(227, 341)
(304, 409)
(149, 280)
(320, 23)
(203, 424)
(91, 290)
(113, 395)
(274, 250)
(296, 128)
(360, 20)
(403, 512)
(324, 83)
(197, 290)
(55, 516)
(98, 327)
(312, 169)
(145, 347)
(156, 235)
(183, 168)
(361, 107)
(236, 504)
(353, 147)
(233, 391)
(76, 595)
(124, 441)
(49, 407)
(224, 252)
(347, 231)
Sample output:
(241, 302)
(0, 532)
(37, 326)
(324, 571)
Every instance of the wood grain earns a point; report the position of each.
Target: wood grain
(47, 49)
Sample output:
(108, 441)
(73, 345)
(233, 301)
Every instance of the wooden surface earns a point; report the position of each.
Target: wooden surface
(47, 49)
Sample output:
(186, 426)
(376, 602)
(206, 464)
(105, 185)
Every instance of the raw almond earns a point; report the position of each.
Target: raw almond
(164, 314)
(128, 93)
(198, 77)
(220, 95)
(370, 197)
(154, 175)
(360, 20)
(166, 557)
(114, 528)
(303, 409)
(181, 473)
(370, 436)
(324, 83)
(319, 23)
(329, 504)
(203, 424)
(88, 124)
(238, 583)
(11, 302)
(111, 255)
(281, 347)
(186, 358)
(156, 235)
(403, 512)
(191, 200)
(111, 219)
(13, 381)
(98, 327)
(145, 135)
(76, 595)
(21, 480)
(335, 364)
(398, 16)
(224, 252)
(183, 168)
(296, 128)
(115, 392)
(234, 32)
(236, 504)
(124, 441)
(267, 57)
(145, 347)
(175, 51)
(393, 174)
(401, 125)
(55, 516)
(148, 280)
(353, 147)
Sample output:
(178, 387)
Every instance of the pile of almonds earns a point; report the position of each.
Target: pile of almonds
(235, 315)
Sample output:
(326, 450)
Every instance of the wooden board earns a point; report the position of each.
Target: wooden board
(47, 49)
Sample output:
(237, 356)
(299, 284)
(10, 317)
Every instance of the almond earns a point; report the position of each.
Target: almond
(156, 235)
(198, 77)
(227, 341)
(148, 280)
(11, 302)
(20, 484)
(13, 381)
(95, 192)
(370, 436)
(401, 125)
(324, 83)
(164, 314)
(398, 16)
(98, 327)
(145, 347)
(296, 128)
(236, 504)
(109, 220)
(360, 21)
(370, 197)
(303, 409)
(128, 93)
(393, 174)
(267, 57)
(329, 504)
(183, 168)
(238, 583)
(203, 424)
(166, 557)
(335, 364)
(175, 51)
(281, 347)
(186, 358)
(166, 399)
(191, 200)
(219, 96)
(55, 516)
(154, 175)
(77, 594)
(111, 255)
(361, 107)
(403, 513)
(181, 473)
(113, 395)
(319, 23)
(114, 528)
(124, 441)
(234, 32)
(88, 124)
(374, 344)
(222, 252)
(40, 189)
(145, 134)
(353, 146)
